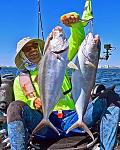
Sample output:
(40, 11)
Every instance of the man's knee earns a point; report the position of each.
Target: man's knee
(14, 111)
(114, 109)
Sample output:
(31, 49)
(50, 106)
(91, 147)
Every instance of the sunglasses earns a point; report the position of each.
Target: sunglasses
(28, 47)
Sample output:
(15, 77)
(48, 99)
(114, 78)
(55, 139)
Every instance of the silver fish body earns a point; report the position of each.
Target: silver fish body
(88, 58)
(75, 79)
(51, 74)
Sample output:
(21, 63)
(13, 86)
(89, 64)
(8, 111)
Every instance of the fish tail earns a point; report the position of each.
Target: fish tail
(80, 125)
(53, 127)
(84, 126)
(75, 125)
(42, 124)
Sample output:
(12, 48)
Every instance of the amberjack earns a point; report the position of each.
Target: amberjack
(87, 63)
(51, 74)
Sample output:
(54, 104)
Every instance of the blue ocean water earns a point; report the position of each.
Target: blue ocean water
(108, 77)
(9, 70)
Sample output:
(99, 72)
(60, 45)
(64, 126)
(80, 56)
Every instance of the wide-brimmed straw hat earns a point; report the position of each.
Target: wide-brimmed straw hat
(21, 44)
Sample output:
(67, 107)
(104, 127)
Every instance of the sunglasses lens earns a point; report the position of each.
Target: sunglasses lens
(29, 47)
(35, 45)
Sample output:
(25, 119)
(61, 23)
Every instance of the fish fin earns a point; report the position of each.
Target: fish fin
(90, 64)
(81, 125)
(72, 65)
(42, 124)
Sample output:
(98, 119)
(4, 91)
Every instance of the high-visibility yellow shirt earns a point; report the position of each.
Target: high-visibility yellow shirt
(76, 38)
(66, 103)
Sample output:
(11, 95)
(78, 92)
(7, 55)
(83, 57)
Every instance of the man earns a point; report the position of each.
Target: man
(28, 105)
(26, 112)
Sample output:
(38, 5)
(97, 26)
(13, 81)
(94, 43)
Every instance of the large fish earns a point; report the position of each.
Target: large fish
(87, 61)
(51, 74)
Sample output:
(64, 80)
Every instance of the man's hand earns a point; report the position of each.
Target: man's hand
(69, 19)
(38, 104)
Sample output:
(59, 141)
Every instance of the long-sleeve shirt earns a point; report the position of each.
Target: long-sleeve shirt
(65, 103)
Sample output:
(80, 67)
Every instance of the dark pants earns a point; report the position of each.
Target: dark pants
(96, 110)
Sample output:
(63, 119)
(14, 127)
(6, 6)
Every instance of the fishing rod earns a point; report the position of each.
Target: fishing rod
(40, 26)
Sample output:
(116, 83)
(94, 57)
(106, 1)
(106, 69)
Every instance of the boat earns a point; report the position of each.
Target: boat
(76, 142)
(66, 143)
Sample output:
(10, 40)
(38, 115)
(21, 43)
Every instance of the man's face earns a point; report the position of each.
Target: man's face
(31, 51)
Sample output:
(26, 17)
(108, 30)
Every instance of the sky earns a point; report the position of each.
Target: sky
(19, 19)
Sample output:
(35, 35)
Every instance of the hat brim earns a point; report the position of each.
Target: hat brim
(18, 59)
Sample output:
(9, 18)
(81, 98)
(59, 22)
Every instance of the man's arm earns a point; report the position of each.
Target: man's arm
(34, 102)
(73, 21)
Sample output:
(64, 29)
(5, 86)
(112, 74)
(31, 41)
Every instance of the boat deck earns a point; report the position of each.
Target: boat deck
(69, 143)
